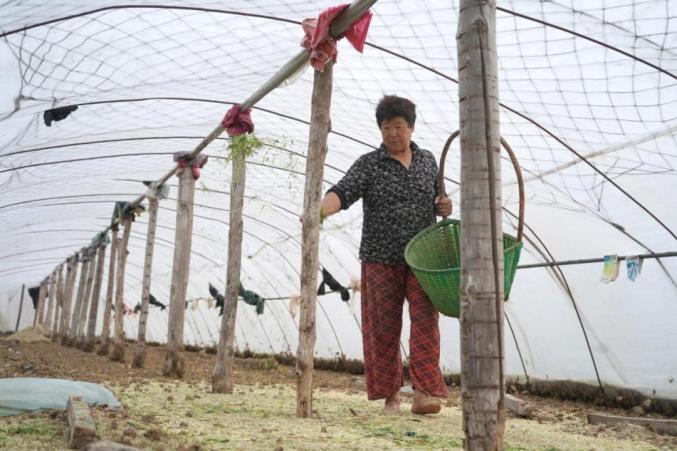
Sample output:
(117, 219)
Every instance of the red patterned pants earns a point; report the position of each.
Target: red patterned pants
(384, 288)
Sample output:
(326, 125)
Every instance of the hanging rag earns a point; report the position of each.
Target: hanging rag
(34, 293)
(155, 302)
(252, 298)
(220, 300)
(161, 191)
(610, 270)
(294, 303)
(321, 45)
(237, 122)
(57, 114)
(634, 266)
(195, 164)
(328, 280)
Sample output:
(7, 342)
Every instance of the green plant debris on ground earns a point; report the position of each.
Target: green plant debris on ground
(169, 415)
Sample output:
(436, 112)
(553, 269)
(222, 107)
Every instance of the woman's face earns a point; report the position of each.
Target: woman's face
(396, 134)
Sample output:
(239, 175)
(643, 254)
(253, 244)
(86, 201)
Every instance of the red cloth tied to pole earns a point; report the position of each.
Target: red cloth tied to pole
(195, 164)
(237, 122)
(321, 45)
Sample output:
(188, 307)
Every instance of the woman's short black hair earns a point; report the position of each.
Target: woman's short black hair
(390, 107)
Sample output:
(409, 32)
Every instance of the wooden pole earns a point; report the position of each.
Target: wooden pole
(21, 306)
(105, 332)
(77, 310)
(71, 275)
(222, 379)
(51, 301)
(60, 295)
(481, 233)
(139, 358)
(88, 344)
(118, 353)
(37, 319)
(174, 365)
(320, 124)
(86, 300)
(59, 301)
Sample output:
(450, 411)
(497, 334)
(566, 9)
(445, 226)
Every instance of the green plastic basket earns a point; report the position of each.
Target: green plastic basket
(434, 254)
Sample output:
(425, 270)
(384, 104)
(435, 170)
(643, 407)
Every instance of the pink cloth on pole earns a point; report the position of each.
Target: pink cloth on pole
(321, 45)
(237, 122)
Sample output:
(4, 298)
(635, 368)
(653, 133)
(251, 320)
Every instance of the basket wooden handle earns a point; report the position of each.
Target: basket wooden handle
(515, 165)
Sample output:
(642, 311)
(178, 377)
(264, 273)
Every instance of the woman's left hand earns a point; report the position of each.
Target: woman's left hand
(443, 206)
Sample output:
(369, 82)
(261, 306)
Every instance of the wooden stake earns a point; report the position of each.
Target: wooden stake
(86, 300)
(140, 349)
(481, 234)
(60, 295)
(118, 353)
(88, 344)
(71, 274)
(320, 124)
(174, 365)
(105, 332)
(21, 306)
(222, 379)
(50, 303)
(77, 310)
(37, 319)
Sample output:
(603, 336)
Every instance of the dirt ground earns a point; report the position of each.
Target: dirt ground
(160, 413)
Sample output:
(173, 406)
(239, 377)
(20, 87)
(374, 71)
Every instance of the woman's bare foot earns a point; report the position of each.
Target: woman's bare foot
(424, 404)
(392, 403)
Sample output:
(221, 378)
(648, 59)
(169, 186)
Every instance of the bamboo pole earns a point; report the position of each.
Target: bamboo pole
(320, 124)
(77, 309)
(71, 275)
(105, 332)
(174, 365)
(481, 317)
(139, 358)
(222, 379)
(52, 299)
(118, 353)
(21, 306)
(86, 300)
(88, 344)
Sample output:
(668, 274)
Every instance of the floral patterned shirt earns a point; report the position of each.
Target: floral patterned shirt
(397, 202)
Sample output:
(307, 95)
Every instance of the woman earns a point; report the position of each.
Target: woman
(398, 185)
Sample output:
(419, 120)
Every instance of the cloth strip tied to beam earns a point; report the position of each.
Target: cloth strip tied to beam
(321, 45)
(237, 122)
(195, 164)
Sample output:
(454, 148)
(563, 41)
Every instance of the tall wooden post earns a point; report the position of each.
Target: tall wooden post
(88, 344)
(139, 358)
(118, 353)
(174, 365)
(21, 306)
(112, 260)
(481, 231)
(222, 379)
(51, 288)
(320, 124)
(77, 309)
(60, 295)
(71, 274)
(82, 320)
(39, 311)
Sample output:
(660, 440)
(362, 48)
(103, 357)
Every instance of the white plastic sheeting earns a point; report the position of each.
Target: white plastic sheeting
(588, 95)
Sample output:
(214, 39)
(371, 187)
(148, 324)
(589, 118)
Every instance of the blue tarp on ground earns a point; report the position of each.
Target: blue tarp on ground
(25, 394)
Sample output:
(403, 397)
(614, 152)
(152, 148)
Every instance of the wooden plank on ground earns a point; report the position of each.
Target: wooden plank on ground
(659, 425)
(518, 406)
(81, 427)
